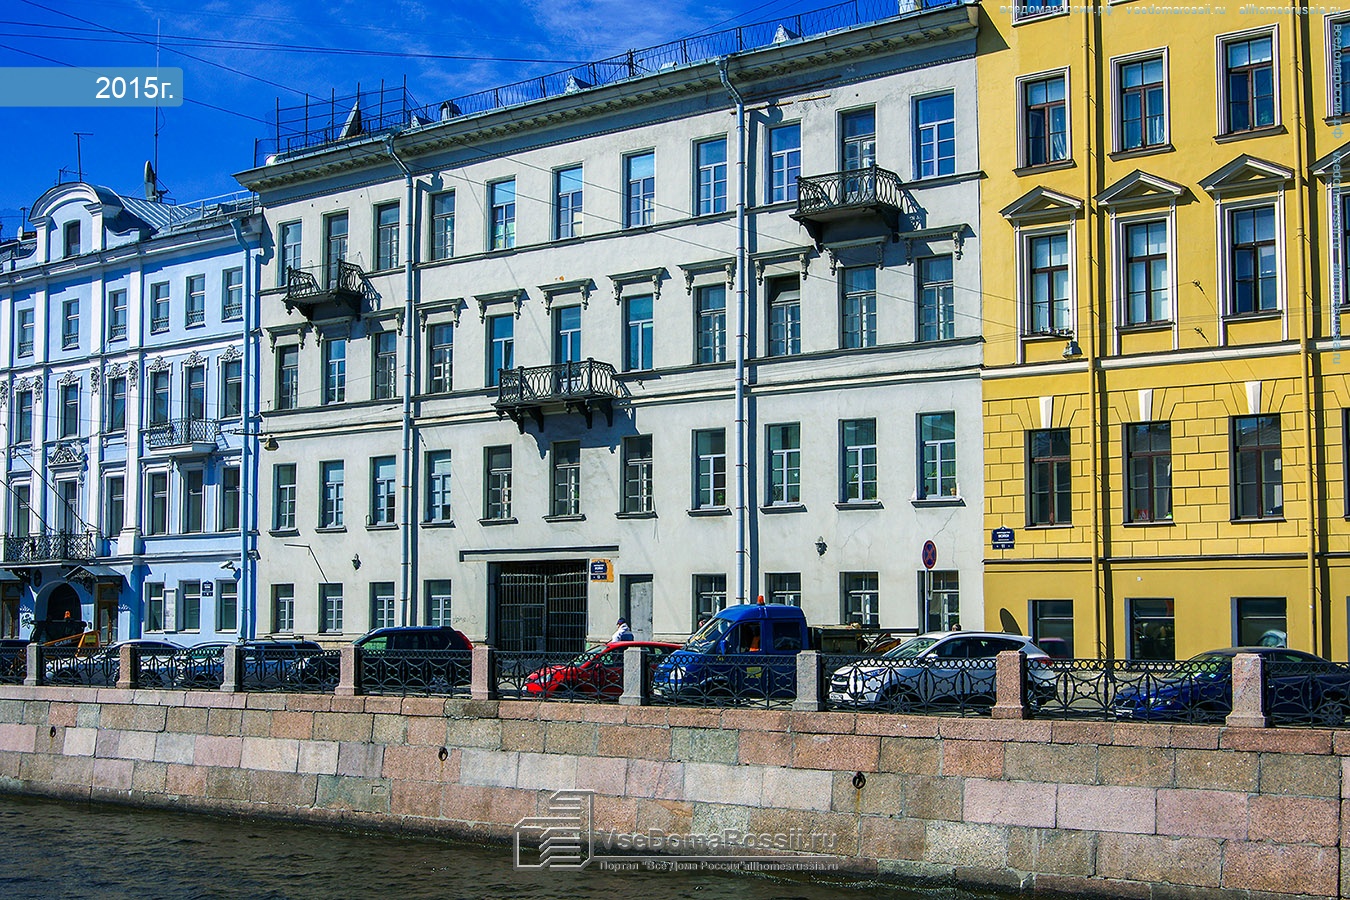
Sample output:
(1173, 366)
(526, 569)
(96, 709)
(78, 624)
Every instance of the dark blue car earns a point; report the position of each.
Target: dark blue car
(745, 652)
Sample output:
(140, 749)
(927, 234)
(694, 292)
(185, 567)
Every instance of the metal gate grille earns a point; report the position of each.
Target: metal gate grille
(541, 607)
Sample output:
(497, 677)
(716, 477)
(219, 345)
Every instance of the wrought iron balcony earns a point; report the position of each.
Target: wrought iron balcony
(874, 191)
(338, 295)
(182, 437)
(582, 387)
(56, 547)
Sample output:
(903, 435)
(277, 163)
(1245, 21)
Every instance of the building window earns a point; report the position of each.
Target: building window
(70, 324)
(497, 483)
(859, 599)
(288, 377)
(383, 485)
(1142, 107)
(937, 454)
(283, 608)
(940, 597)
(1148, 467)
(194, 501)
(567, 335)
(1031, 9)
(1260, 622)
(710, 597)
(710, 469)
(858, 133)
(1052, 627)
(640, 178)
(115, 409)
(194, 395)
(70, 410)
(937, 310)
(438, 603)
(288, 238)
(1249, 83)
(159, 307)
(785, 316)
(386, 236)
(785, 162)
(1258, 486)
(335, 247)
(330, 608)
(1338, 66)
(712, 176)
(196, 301)
(858, 448)
(501, 332)
(25, 332)
(637, 474)
(1048, 285)
(712, 324)
(1253, 281)
(114, 505)
(20, 525)
(566, 478)
(117, 315)
(382, 604)
(154, 606)
(567, 191)
(335, 370)
(440, 359)
(785, 464)
(159, 397)
(638, 323)
(503, 199)
(229, 498)
(1152, 629)
(1049, 477)
(784, 587)
(68, 506)
(283, 500)
(443, 225)
(232, 294)
(23, 417)
(1147, 286)
(332, 512)
(438, 486)
(157, 502)
(1045, 121)
(858, 317)
(384, 361)
(71, 244)
(935, 136)
(227, 606)
(231, 389)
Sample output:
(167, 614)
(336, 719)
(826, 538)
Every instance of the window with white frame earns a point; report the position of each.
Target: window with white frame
(858, 307)
(858, 463)
(501, 337)
(283, 608)
(335, 370)
(1338, 65)
(785, 161)
(330, 608)
(937, 308)
(1145, 279)
(70, 410)
(288, 239)
(935, 135)
(785, 315)
(70, 324)
(159, 397)
(640, 178)
(443, 225)
(23, 327)
(194, 501)
(710, 597)
(283, 497)
(712, 323)
(196, 301)
(1035, 9)
(21, 518)
(229, 498)
(383, 487)
(637, 474)
(227, 605)
(384, 365)
(1046, 279)
(194, 393)
(115, 405)
(1248, 90)
(117, 315)
(333, 502)
(503, 222)
(1253, 281)
(785, 464)
(937, 455)
(784, 587)
(335, 247)
(566, 477)
(190, 604)
(438, 486)
(1141, 103)
(638, 325)
(382, 604)
(710, 468)
(438, 603)
(386, 236)
(159, 307)
(1045, 120)
(114, 505)
(231, 389)
(496, 483)
(154, 606)
(567, 186)
(860, 598)
(711, 158)
(288, 377)
(858, 139)
(157, 502)
(440, 358)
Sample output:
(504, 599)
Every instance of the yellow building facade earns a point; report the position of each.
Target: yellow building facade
(1165, 397)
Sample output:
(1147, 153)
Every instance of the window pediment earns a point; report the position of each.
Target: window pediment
(1246, 174)
(1042, 205)
(1325, 166)
(1140, 189)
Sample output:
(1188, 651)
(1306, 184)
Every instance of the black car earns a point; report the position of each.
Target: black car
(381, 647)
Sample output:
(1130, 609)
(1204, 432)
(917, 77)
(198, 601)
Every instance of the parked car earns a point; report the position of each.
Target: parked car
(12, 657)
(1203, 689)
(720, 659)
(321, 670)
(596, 673)
(935, 668)
(267, 663)
(100, 668)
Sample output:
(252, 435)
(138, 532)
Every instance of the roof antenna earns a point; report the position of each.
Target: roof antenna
(156, 107)
(79, 161)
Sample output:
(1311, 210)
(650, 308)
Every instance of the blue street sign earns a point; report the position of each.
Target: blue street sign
(1002, 538)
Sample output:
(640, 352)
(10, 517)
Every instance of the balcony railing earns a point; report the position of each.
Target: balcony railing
(840, 195)
(576, 386)
(58, 546)
(198, 434)
(339, 294)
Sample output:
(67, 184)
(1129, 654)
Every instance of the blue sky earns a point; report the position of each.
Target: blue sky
(240, 56)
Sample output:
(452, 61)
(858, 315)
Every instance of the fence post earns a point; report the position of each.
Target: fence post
(808, 682)
(634, 677)
(35, 674)
(349, 671)
(483, 684)
(1010, 687)
(128, 664)
(1248, 693)
(232, 669)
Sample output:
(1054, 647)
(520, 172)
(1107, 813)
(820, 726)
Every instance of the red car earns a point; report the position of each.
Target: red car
(597, 673)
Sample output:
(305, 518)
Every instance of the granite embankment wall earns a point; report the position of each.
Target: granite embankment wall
(1119, 810)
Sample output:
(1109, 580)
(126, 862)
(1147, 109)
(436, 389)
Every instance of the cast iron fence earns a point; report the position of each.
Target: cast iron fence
(1307, 693)
(534, 675)
(195, 668)
(13, 665)
(1131, 690)
(68, 665)
(181, 432)
(764, 680)
(952, 687)
(442, 673)
(872, 186)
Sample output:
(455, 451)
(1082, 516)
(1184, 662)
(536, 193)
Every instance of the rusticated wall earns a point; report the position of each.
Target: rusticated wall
(1120, 810)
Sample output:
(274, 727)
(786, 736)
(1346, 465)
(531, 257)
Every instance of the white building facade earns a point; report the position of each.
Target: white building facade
(531, 368)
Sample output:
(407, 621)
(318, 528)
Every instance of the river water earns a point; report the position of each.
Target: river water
(50, 849)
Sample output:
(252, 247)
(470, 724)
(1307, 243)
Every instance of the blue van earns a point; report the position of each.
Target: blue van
(744, 652)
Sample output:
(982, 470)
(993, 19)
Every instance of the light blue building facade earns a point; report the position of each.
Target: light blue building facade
(124, 393)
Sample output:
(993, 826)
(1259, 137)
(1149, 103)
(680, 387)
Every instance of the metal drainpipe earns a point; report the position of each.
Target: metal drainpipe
(409, 616)
(741, 318)
(248, 485)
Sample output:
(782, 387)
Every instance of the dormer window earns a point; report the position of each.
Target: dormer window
(71, 246)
